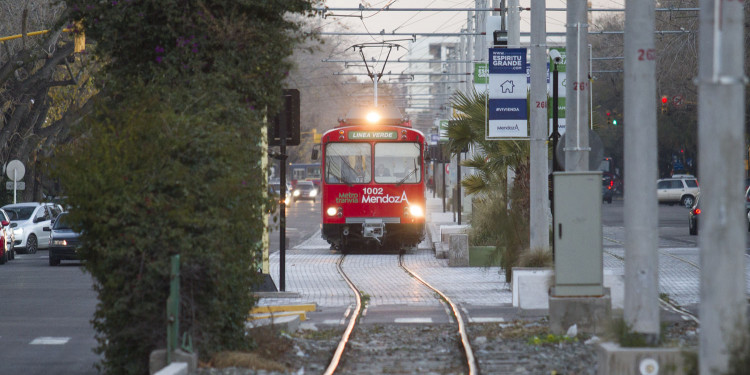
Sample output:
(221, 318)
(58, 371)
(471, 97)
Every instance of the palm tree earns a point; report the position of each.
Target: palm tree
(502, 214)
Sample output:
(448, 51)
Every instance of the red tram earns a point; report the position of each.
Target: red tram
(373, 181)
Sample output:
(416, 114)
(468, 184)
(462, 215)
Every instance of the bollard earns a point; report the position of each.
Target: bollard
(173, 307)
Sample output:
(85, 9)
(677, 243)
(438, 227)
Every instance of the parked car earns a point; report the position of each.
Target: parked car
(608, 190)
(693, 214)
(6, 232)
(678, 189)
(305, 190)
(6, 236)
(28, 221)
(64, 242)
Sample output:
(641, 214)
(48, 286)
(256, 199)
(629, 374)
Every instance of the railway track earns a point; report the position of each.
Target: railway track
(441, 332)
(665, 303)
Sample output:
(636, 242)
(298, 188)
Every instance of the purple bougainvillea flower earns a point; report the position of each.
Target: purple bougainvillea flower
(159, 49)
(159, 59)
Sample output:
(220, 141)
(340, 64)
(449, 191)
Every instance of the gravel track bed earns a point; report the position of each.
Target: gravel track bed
(504, 348)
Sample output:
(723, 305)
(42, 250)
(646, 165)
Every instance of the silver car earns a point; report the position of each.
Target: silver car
(28, 221)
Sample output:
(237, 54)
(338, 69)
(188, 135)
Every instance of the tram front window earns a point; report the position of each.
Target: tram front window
(348, 163)
(397, 163)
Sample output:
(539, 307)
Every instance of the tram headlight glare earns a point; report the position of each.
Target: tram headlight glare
(373, 117)
(332, 211)
(296, 193)
(313, 192)
(416, 211)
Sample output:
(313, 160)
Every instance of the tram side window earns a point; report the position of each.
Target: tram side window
(397, 163)
(347, 163)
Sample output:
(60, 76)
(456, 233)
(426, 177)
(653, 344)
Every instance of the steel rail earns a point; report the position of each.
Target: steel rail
(473, 370)
(352, 321)
(664, 302)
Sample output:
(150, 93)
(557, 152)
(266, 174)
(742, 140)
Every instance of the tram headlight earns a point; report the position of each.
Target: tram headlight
(296, 193)
(416, 211)
(313, 192)
(334, 211)
(373, 117)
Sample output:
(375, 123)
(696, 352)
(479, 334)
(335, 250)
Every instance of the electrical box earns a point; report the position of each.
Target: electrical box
(578, 234)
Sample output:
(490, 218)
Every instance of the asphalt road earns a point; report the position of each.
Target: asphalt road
(44, 317)
(302, 221)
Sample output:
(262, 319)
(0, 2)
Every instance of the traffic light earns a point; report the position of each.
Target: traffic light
(664, 101)
(614, 121)
(609, 119)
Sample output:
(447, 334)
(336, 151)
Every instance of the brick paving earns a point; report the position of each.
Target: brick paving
(311, 272)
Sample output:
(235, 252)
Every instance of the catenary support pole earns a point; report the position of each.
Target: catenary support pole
(577, 88)
(641, 309)
(721, 120)
(538, 182)
(514, 25)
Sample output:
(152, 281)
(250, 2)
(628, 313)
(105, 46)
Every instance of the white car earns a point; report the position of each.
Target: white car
(6, 232)
(679, 189)
(28, 221)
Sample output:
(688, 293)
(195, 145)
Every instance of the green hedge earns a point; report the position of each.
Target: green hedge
(153, 175)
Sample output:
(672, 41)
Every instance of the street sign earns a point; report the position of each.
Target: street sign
(20, 185)
(507, 104)
(443, 131)
(15, 170)
(481, 73)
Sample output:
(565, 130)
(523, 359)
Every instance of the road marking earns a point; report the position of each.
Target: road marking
(50, 341)
(486, 319)
(334, 322)
(412, 320)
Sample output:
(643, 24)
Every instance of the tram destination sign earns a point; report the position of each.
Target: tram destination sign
(359, 134)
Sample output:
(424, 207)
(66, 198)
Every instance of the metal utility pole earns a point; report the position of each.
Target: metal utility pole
(514, 25)
(538, 182)
(480, 47)
(577, 89)
(641, 310)
(721, 116)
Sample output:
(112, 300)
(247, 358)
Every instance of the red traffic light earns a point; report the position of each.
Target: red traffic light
(664, 99)
(608, 113)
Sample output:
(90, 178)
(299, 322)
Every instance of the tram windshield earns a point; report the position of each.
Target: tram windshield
(397, 163)
(348, 163)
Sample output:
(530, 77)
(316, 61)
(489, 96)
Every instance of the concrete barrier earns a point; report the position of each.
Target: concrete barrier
(158, 362)
(530, 288)
(175, 368)
(458, 253)
(614, 359)
(447, 230)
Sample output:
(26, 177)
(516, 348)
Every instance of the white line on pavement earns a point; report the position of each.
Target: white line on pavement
(412, 320)
(50, 341)
(486, 319)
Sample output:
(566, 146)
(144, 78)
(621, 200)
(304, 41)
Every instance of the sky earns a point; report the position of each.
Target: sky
(426, 21)
(421, 21)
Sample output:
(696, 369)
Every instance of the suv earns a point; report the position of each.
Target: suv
(678, 189)
(28, 220)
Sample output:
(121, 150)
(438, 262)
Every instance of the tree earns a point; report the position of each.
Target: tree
(38, 75)
(169, 164)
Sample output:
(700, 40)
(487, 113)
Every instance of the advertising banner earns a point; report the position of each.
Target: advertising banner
(507, 109)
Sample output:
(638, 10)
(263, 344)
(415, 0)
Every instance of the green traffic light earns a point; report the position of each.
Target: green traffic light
(614, 122)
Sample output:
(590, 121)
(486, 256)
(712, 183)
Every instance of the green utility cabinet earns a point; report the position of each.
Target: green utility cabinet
(578, 234)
